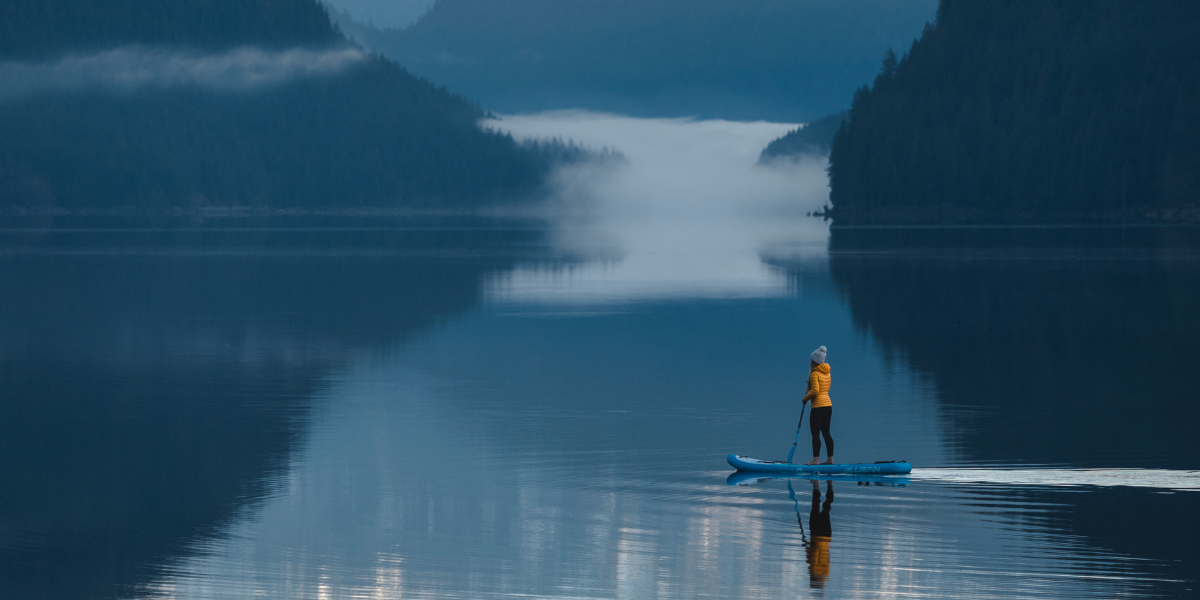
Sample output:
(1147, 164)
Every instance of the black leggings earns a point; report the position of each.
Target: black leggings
(818, 424)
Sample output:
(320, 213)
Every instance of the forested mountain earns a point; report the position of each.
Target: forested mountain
(119, 103)
(789, 60)
(811, 138)
(48, 28)
(1030, 111)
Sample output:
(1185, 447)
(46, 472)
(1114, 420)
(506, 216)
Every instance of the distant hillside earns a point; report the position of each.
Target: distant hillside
(811, 138)
(48, 28)
(789, 60)
(119, 103)
(1030, 112)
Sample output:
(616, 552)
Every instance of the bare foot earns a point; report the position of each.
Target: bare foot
(828, 461)
(812, 462)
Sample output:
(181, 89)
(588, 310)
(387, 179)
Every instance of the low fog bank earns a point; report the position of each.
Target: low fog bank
(686, 214)
(674, 167)
(131, 68)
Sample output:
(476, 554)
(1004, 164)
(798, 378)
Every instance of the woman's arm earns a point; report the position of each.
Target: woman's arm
(813, 387)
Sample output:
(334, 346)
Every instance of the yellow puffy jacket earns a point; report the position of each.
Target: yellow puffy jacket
(818, 386)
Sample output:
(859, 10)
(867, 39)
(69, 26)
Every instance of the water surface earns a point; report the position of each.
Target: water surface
(484, 408)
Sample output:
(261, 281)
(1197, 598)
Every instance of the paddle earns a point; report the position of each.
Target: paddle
(797, 441)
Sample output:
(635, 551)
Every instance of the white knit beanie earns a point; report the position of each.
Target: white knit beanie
(818, 355)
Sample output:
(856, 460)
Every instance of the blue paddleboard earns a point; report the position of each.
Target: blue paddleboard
(748, 478)
(745, 463)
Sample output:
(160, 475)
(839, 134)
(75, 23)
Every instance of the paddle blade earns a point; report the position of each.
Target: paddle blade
(796, 441)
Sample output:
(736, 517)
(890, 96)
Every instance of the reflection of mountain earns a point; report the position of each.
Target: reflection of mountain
(1159, 527)
(1076, 359)
(1084, 357)
(145, 400)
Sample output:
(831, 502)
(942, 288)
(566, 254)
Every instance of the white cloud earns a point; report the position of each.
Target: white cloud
(133, 68)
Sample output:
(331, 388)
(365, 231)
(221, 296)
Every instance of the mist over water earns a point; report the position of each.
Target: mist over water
(688, 213)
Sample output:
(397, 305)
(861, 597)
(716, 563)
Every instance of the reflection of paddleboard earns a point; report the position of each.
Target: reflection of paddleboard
(745, 478)
(745, 463)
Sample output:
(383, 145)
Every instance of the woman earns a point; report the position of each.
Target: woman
(822, 406)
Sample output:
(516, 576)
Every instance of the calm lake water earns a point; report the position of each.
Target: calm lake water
(498, 408)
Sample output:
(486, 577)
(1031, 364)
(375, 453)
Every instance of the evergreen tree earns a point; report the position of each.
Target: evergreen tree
(1029, 111)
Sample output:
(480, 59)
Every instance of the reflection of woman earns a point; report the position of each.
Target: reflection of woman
(822, 407)
(816, 551)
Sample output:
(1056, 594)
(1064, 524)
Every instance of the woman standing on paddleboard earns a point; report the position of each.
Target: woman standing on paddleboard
(822, 406)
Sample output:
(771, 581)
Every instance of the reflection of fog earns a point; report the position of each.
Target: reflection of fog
(684, 260)
(688, 214)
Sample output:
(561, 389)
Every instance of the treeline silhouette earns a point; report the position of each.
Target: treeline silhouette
(1029, 111)
(736, 59)
(811, 138)
(371, 135)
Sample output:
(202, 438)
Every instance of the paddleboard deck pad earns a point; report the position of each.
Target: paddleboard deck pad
(745, 463)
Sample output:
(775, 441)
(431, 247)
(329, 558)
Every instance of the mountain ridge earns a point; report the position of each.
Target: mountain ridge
(731, 59)
(366, 134)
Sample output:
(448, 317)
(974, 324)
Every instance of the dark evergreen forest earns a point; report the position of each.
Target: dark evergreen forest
(370, 135)
(1030, 111)
(812, 138)
(785, 60)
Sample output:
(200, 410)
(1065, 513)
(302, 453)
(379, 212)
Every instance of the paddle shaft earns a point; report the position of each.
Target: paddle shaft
(797, 441)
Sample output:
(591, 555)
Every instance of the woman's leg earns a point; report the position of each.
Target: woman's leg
(818, 423)
(825, 425)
